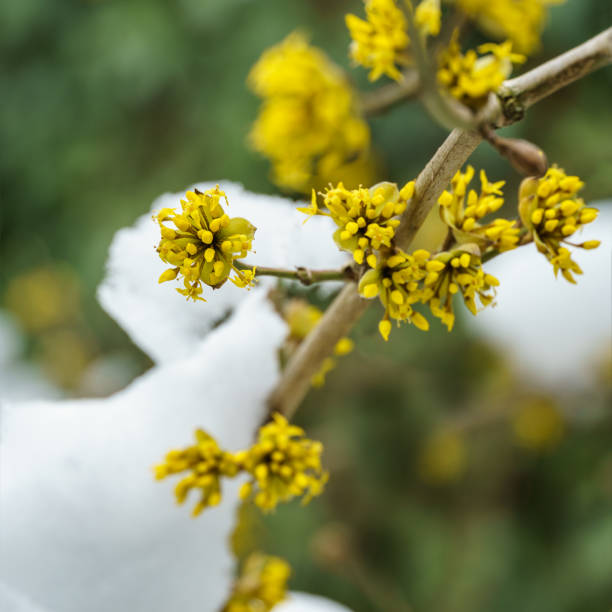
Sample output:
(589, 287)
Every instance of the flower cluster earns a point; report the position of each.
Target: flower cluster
(521, 21)
(261, 585)
(552, 212)
(471, 78)
(204, 243)
(302, 318)
(283, 464)
(398, 283)
(366, 218)
(207, 463)
(380, 42)
(427, 17)
(404, 280)
(308, 125)
(462, 211)
(461, 273)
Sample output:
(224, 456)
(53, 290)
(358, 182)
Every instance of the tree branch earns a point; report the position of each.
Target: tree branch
(520, 93)
(346, 309)
(336, 323)
(306, 276)
(434, 178)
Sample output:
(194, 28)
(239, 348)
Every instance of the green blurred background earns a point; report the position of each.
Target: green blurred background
(454, 487)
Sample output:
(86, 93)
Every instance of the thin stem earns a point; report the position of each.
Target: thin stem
(384, 98)
(449, 240)
(306, 276)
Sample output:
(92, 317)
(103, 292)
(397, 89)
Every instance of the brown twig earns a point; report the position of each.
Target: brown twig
(337, 322)
(520, 93)
(387, 96)
(306, 276)
(433, 179)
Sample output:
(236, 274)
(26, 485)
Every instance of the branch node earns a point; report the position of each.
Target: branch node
(304, 275)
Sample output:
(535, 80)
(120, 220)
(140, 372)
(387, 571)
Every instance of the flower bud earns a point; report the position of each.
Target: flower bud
(525, 157)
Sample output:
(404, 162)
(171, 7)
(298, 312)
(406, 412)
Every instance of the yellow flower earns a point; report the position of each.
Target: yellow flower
(404, 280)
(44, 297)
(206, 462)
(261, 585)
(443, 458)
(552, 212)
(344, 346)
(471, 78)
(302, 318)
(205, 243)
(381, 42)
(521, 21)
(398, 282)
(462, 211)
(308, 125)
(538, 424)
(366, 218)
(318, 379)
(283, 464)
(245, 279)
(427, 17)
(457, 271)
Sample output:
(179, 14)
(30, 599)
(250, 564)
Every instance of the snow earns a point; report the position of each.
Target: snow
(19, 380)
(303, 602)
(83, 523)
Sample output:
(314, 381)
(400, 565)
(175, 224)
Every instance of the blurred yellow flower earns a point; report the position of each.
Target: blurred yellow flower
(302, 318)
(380, 42)
(43, 297)
(247, 532)
(427, 17)
(443, 458)
(471, 78)
(261, 585)
(521, 21)
(538, 424)
(308, 125)
(64, 353)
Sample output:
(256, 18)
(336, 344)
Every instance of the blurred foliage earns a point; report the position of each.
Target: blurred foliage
(107, 104)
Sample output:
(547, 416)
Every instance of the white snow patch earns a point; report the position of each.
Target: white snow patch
(83, 523)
